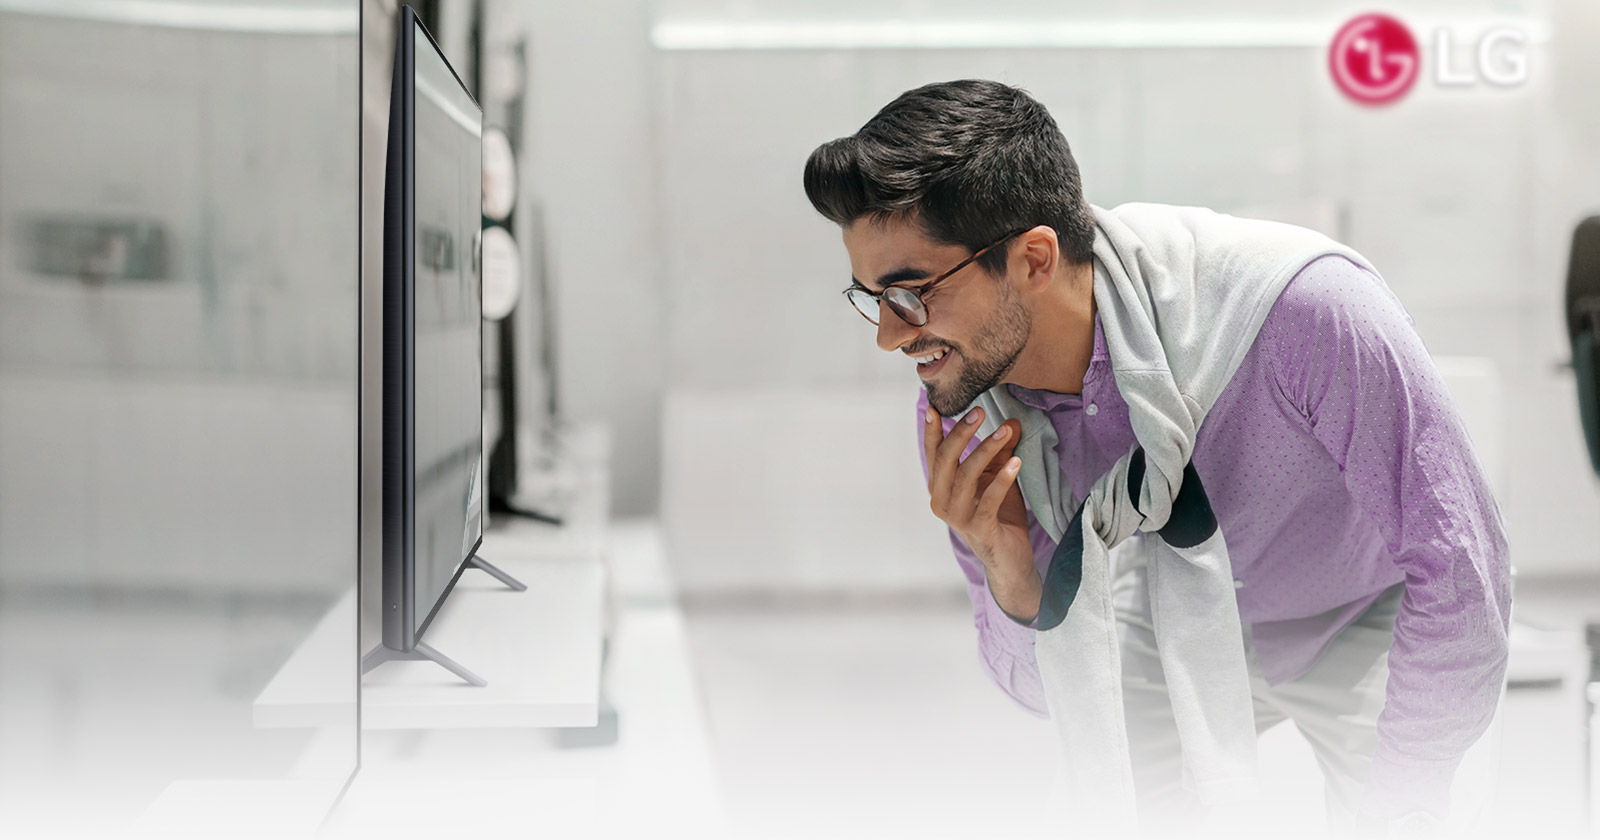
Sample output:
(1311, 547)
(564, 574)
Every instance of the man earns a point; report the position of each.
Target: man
(1369, 582)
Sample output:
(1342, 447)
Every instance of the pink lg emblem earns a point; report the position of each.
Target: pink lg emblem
(1374, 59)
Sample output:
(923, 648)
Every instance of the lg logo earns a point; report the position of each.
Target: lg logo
(1375, 59)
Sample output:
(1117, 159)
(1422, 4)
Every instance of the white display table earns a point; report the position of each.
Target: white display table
(539, 649)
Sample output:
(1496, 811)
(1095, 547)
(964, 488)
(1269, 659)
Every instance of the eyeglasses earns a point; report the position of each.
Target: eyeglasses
(905, 302)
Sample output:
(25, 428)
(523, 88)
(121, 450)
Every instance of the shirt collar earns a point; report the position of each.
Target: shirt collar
(1043, 400)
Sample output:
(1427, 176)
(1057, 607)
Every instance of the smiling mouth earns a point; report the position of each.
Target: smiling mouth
(927, 369)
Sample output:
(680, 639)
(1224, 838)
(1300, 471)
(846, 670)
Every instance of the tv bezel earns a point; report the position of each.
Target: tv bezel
(401, 630)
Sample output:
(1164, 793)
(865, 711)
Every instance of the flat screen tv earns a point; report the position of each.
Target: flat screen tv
(432, 346)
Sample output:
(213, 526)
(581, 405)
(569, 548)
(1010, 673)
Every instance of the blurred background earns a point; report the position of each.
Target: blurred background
(178, 360)
(180, 337)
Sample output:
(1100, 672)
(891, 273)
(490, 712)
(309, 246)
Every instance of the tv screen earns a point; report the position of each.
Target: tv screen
(449, 325)
(433, 336)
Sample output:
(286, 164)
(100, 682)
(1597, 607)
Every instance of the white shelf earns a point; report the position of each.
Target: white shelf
(539, 650)
(659, 773)
(316, 686)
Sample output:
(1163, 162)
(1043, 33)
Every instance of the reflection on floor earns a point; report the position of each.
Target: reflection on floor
(107, 697)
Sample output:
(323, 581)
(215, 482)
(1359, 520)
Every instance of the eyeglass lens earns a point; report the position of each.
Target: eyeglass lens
(903, 301)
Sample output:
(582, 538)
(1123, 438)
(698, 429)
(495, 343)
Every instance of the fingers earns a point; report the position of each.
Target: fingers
(932, 433)
(944, 455)
(964, 489)
(995, 494)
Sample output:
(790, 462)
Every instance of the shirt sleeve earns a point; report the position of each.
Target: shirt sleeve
(1345, 352)
(1005, 647)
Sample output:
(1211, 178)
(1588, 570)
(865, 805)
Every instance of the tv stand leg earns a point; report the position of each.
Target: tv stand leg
(449, 664)
(382, 653)
(478, 562)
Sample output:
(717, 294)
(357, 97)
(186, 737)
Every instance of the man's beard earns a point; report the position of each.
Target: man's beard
(1004, 336)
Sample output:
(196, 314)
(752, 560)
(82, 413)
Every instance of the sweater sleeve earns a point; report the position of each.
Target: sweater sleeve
(1005, 647)
(1347, 355)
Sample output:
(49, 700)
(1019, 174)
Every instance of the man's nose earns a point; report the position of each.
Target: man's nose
(893, 331)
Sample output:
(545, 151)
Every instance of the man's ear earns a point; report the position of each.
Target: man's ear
(1040, 253)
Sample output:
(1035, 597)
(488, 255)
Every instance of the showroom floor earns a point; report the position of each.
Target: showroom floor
(796, 718)
(881, 723)
(871, 719)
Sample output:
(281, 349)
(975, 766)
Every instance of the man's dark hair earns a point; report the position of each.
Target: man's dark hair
(970, 161)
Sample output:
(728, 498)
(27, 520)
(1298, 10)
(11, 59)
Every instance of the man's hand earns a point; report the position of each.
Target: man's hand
(980, 500)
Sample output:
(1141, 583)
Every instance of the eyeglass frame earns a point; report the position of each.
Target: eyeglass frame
(924, 288)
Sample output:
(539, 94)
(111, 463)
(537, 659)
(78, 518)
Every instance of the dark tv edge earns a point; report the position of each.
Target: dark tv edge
(398, 397)
(402, 634)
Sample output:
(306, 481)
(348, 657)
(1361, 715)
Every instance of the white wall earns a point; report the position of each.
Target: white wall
(776, 488)
(590, 162)
(674, 176)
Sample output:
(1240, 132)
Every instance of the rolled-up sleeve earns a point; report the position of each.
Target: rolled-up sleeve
(1352, 362)
(1005, 647)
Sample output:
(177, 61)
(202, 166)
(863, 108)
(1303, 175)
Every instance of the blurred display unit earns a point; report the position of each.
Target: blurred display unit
(1582, 313)
(499, 175)
(1583, 329)
(524, 427)
(432, 478)
(97, 250)
(502, 273)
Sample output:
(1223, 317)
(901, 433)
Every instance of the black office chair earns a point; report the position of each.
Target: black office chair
(1583, 327)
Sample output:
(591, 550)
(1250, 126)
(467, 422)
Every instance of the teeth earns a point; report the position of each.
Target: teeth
(934, 357)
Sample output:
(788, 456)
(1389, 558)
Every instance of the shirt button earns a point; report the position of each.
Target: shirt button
(1092, 410)
(1238, 584)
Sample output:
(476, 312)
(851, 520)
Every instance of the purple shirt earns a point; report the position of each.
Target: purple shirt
(1337, 466)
